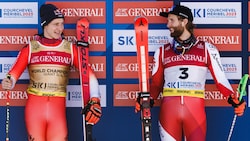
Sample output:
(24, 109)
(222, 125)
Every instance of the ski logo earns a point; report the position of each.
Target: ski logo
(82, 33)
(141, 23)
(84, 60)
(82, 43)
(83, 50)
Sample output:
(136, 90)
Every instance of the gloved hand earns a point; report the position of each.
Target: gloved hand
(138, 105)
(92, 111)
(239, 106)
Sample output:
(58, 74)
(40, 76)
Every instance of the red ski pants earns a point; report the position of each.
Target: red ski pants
(182, 115)
(45, 118)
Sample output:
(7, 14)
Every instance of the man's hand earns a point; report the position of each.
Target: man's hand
(138, 104)
(92, 111)
(7, 83)
(239, 106)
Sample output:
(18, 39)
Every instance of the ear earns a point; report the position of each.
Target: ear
(184, 22)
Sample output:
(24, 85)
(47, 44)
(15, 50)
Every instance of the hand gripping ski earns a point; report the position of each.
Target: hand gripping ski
(141, 33)
(82, 29)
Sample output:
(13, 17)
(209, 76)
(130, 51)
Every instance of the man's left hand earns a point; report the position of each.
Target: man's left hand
(239, 106)
(92, 111)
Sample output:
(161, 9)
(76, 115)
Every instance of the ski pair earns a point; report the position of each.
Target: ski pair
(141, 29)
(143, 98)
(82, 30)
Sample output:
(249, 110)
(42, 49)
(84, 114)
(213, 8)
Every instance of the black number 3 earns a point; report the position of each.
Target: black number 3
(184, 73)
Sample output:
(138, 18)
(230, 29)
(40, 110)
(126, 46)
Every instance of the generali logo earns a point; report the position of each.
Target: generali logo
(125, 95)
(96, 40)
(16, 96)
(127, 66)
(94, 11)
(97, 64)
(223, 39)
(15, 39)
(213, 97)
(125, 12)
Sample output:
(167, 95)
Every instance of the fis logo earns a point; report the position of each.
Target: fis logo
(0, 13)
(173, 85)
(214, 13)
(126, 40)
(199, 13)
(1, 68)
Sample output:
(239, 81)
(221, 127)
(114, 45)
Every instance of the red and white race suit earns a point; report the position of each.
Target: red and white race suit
(48, 62)
(181, 79)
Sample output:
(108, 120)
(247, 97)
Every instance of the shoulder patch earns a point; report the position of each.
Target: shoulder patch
(34, 45)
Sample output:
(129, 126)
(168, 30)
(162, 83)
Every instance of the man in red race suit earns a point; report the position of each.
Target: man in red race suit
(179, 72)
(49, 59)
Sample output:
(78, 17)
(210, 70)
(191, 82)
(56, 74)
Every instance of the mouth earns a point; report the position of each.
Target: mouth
(57, 32)
(171, 30)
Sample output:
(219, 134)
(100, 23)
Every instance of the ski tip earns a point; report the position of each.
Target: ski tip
(139, 17)
(85, 19)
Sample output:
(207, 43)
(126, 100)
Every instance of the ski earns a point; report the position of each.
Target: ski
(7, 123)
(82, 29)
(141, 33)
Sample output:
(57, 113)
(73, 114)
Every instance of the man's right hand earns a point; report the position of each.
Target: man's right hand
(7, 84)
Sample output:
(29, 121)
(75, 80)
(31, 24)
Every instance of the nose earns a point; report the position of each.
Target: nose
(168, 25)
(60, 27)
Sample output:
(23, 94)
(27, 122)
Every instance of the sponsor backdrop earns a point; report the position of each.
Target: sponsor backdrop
(113, 59)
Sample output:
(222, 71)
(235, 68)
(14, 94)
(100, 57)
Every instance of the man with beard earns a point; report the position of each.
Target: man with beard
(179, 73)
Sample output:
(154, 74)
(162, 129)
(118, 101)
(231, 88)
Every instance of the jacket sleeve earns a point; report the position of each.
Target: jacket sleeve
(156, 85)
(20, 63)
(216, 69)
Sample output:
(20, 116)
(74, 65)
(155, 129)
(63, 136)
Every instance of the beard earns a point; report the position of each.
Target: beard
(177, 31)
